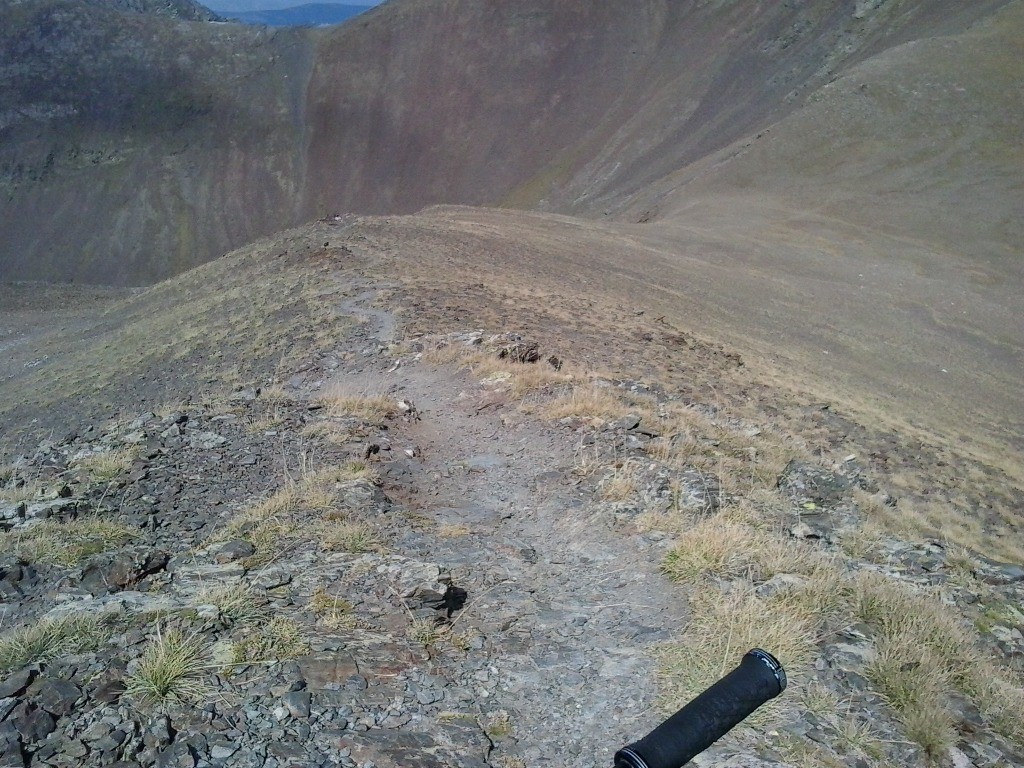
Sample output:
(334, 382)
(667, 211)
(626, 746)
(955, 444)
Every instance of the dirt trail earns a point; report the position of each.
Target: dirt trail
(568, 607)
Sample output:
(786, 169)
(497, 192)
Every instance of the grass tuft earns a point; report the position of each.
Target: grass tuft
(583, 402)
(65, 544)
(342, 536)
(423, 631)
(622, 483)
(171, 670)
(52, 639)
(724, 628)
(237, 603)
(279, 640)
(105, 466)
(374, 408)
(335, 612)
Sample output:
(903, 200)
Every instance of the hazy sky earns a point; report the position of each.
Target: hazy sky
(232, 6)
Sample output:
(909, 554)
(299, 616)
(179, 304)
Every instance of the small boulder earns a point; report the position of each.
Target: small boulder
(55, 695)
(236, 549)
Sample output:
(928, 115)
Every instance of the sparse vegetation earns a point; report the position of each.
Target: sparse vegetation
(238, 603)
(271, 524)
(279, 640)
(15, 489)
(520, 379)
(497, 725)
(921, 651)
(583, 402)
(66, 543)
(374, 408)
(335, 612)
(343, 536)
(724, 627)
(53, 638)
(423, 631)
(171, 671)
(104, 466)
(453, 530)
(621, 483)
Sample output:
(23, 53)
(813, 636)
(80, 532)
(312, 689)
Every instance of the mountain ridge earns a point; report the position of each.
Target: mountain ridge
(622, 98)
(305, 15)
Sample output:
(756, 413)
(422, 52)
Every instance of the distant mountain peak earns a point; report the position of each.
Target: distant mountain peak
(177, 9)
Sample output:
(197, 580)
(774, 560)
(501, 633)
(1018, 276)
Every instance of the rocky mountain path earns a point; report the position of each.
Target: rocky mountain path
(567, 607)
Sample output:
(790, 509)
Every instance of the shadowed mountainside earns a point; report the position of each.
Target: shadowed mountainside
(134, 146)
(181, 141)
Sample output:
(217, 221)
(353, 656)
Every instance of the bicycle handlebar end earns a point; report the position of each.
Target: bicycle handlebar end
(627, 758)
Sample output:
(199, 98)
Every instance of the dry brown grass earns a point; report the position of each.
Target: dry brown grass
(744, 459)
(344, 536)
(15, 487)
(718, 547)
(924, 650)
(333, 611)
(330, 431)
(66, 544)
(521, 378)
(107, 465)
(279, 639)
(238, 603)
(446, 354)
(583, 402)
(423, 631)
(272, 524)
(622, 483)
(341, 402)
(946, 521)
(725, 626)
(453, 530)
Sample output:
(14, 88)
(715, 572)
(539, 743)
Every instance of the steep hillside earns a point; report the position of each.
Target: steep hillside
(219, 133)
(133, 145)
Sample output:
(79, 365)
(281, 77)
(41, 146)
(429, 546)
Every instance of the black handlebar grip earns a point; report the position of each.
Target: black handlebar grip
(706, 719)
